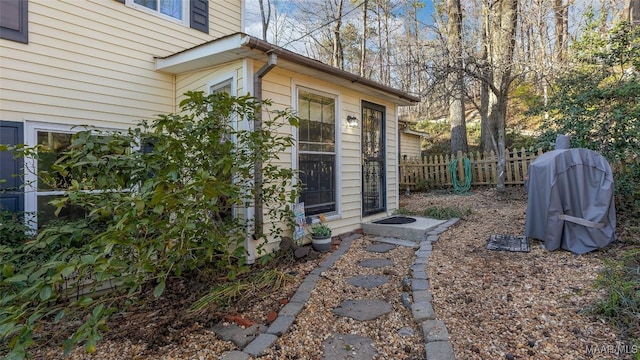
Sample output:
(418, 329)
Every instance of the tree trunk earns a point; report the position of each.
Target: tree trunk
(487, 141)
(380, 51)
(338, 54)
(415, 74)
(387, 46)
(561, 29)
(363, 43)
(455, 78)
(497, 114)
(632, 12)
(604, 11)
(266, 17)
(501, 48)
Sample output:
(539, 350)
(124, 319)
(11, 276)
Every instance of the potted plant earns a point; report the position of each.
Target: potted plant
(320, 237)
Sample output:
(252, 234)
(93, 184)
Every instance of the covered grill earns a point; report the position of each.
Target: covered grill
(570, 201)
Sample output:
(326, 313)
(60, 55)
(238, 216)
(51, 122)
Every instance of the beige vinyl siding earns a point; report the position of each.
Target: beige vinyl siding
(277, 86)
(392, 159)
(198, 80)
(410, 145)
(93, 62)
(225, 16)
(351, 167)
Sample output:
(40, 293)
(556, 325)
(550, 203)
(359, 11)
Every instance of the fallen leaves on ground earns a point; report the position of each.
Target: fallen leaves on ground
(496, 305)
(500, 304)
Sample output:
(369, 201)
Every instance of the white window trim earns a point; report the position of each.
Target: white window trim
(219, 80)
(222, 80)
(320, 90)
(31, 192)
(185, 12)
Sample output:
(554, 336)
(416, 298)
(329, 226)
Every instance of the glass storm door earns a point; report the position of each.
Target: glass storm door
(373, 159)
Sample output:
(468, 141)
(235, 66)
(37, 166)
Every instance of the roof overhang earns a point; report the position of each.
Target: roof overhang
(240, 46)
(417, 133)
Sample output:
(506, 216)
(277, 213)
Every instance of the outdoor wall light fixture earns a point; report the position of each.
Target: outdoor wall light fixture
(352, 121)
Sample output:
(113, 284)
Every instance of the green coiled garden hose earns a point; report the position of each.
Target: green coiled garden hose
(453, 171)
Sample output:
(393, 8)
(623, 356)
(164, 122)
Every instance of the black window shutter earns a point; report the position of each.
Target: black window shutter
(200, 15)
(14, 20)
(11, 192)
(147, 145)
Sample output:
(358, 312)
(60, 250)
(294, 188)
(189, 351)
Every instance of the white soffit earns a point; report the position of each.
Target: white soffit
(213, 53)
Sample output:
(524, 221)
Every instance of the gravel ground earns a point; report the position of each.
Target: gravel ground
(313, 325)
(316, 322)
(496, 305)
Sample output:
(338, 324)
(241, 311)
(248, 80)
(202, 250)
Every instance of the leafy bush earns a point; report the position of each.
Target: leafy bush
(13, 230)
(621, 303)
(596, 104)
(439, 142)
(150, 215)
(440, 213)
(439, 137)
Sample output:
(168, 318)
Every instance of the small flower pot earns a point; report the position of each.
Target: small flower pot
(321, 243)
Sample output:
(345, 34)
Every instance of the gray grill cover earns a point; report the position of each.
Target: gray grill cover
(570, 201)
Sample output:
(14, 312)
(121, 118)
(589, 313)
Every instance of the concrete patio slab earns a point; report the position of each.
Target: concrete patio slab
(414, 231)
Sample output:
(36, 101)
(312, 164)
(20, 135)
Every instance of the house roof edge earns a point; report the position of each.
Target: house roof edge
(239, 45)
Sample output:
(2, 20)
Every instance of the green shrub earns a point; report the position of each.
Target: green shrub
(13, 230)
(596, 104)
(444, 213)
(440, 213)
(150, 215)
(620, 281)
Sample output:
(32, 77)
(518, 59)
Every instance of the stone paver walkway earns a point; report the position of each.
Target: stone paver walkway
(416, 296)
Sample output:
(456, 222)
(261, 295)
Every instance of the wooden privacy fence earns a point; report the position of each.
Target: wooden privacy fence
(434, 171)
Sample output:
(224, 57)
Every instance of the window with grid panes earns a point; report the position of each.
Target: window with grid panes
(53, 140)
(317, 151)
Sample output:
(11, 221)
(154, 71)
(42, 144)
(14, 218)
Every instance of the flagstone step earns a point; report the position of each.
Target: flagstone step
(375, 263)
(368, 281)
(346, 346)
(363, 309)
